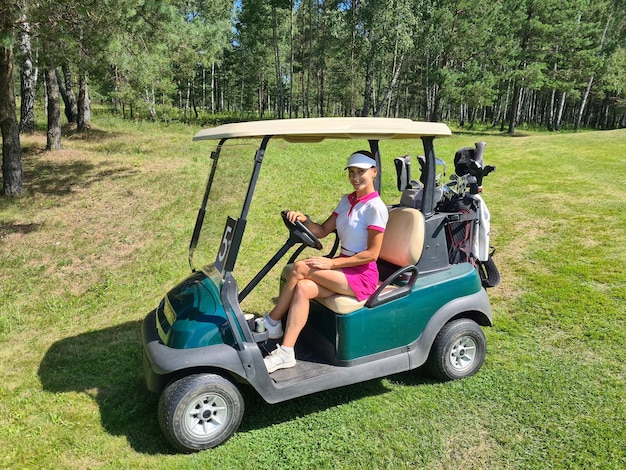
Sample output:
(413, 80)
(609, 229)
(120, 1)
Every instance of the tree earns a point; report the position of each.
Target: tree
(83, 115)
(252, 56)
(53, 136)
(459, 43)
(540, 62)
(609, 32)
(528, 53)
(12, 182)
(278, 9)
(67, 91)
(202, 33)
(28, 74)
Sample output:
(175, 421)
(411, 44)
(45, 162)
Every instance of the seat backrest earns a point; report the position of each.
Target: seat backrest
(413, 197)
(404, 237)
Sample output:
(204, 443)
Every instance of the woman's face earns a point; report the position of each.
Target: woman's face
(361, 178)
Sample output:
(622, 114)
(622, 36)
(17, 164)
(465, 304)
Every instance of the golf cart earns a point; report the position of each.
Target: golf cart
(200, 347)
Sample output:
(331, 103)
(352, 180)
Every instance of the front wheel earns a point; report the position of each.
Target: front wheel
(200, 411)
(458, 351)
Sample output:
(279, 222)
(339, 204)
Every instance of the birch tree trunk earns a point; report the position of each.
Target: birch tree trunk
(291, 58)
(369, 88)
(581, 111)
(213, 87)
(28, 80)
(279, 79)
(307, 94)
(392, 84)
(559, 116)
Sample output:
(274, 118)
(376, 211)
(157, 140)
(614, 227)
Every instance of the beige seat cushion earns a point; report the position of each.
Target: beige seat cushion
(404, 237)
(341, 303)
(346, 304)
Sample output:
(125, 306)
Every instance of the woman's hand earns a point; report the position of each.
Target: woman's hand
(292, 216)
(319, 230)
(319, 262)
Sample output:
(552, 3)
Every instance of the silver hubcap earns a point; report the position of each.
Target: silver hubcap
(207, 415)
(463, 353)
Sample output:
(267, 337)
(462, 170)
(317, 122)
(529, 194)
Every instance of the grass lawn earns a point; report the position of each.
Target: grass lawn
(103, 231)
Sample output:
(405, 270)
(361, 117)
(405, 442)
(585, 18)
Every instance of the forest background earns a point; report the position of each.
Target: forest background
(556, 64)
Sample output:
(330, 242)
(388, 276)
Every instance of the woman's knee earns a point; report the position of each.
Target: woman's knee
(300, 270)
(306, 289)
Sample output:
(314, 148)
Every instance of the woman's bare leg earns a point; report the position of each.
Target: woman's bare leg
(333, 280)
(284, 300)
(299, 309)
(309, 284)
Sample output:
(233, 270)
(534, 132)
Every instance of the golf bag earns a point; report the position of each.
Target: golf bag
(468, 230)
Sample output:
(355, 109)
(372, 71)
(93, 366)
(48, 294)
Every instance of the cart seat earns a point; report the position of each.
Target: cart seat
(402, 246)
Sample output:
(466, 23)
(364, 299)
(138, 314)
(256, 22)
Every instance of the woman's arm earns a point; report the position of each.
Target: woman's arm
(319, 230)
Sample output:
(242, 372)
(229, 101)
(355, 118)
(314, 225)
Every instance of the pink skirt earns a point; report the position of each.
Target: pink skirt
(362, 279)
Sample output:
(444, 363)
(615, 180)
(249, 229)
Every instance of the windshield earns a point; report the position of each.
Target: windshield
(305, 177)
(226, 196)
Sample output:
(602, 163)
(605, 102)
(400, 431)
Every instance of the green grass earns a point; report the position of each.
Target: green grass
(103, 232)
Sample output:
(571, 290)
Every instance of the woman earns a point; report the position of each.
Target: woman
(360, 219)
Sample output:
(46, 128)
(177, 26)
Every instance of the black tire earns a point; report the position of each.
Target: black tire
(200, 411)
(458, 351)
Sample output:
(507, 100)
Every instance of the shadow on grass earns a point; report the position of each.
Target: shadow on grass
(22, 229)
(89, 135)
(481, 133)
(43, 175)
(107, 364)
(60, 172)
(61, 178)
(259, 414)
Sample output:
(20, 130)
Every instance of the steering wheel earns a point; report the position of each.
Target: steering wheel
(304, 235)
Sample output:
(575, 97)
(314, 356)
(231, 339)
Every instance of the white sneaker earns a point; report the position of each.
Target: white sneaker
(275, 332)
(279, 358)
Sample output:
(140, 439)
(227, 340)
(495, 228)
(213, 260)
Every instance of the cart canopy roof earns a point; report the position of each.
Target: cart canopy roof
(318, 129)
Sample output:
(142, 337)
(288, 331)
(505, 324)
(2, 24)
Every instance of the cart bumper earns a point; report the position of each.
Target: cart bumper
(161, 363)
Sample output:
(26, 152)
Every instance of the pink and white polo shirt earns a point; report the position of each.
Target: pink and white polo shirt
(355, 217)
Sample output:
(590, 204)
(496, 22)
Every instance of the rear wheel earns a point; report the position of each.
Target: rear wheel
(200, 411)
(489, 274)
(458, 351)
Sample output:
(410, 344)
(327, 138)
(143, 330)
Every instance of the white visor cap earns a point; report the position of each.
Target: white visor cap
(360, 160)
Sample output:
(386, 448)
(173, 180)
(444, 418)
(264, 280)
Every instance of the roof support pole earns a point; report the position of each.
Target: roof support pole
(428, 203)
